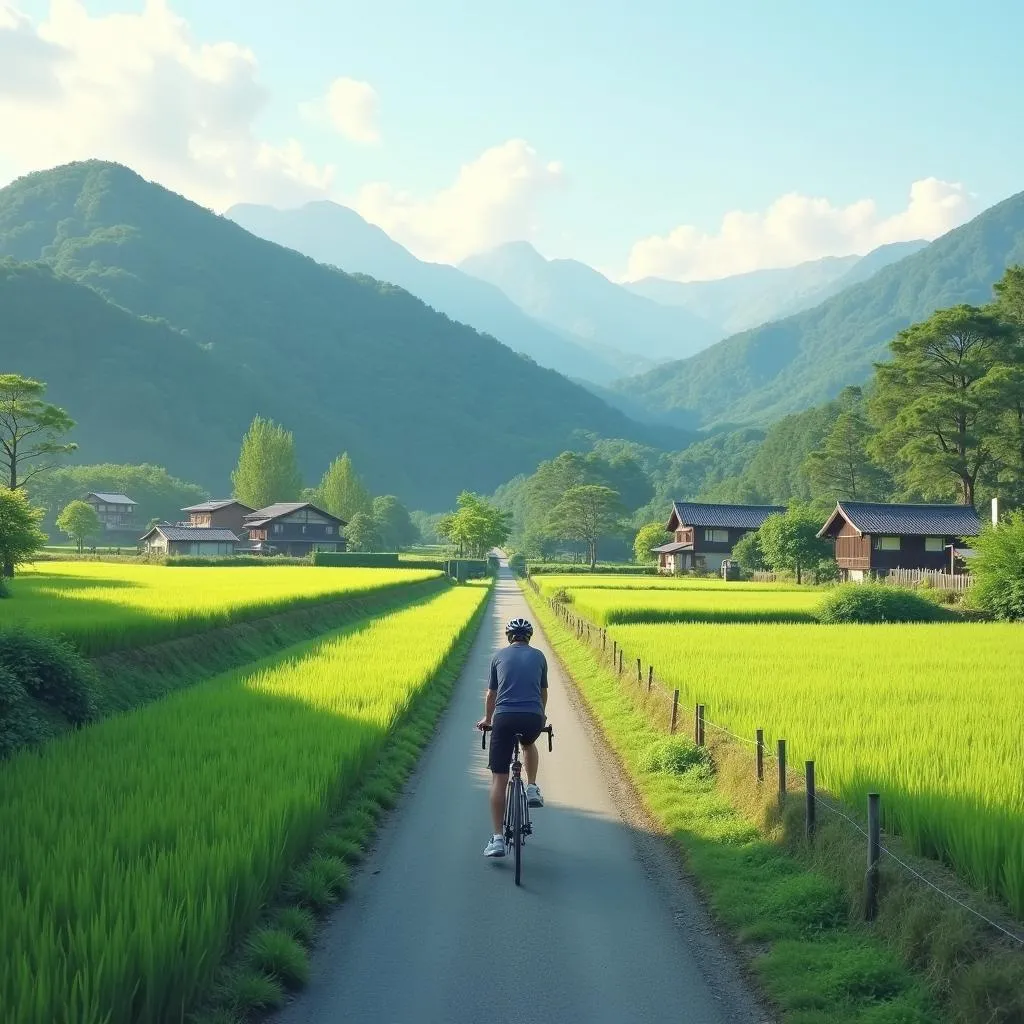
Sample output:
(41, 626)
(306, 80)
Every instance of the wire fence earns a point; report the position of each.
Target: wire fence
(610, 651)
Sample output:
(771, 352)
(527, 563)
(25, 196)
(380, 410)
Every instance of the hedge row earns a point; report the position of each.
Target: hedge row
(192, 561)
(574, 568)
(360, 559)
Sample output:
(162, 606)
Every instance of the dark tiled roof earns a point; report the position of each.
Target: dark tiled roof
(910, 520)
(671, 549)
(113, 499)
(283, 508)
(212, 506)
(724, 517)
(192, 533)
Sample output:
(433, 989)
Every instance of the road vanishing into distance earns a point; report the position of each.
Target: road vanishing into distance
(603, 930)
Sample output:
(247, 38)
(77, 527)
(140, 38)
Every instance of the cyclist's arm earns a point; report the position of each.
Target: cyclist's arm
(544, 685)
(489, 701)
(491, 694)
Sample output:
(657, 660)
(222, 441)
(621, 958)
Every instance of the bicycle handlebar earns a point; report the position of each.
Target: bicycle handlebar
(485, 729)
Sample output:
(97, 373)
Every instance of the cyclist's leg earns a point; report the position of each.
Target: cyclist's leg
(499, 758)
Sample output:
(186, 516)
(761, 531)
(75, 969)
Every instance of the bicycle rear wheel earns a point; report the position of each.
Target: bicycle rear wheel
(519, 799)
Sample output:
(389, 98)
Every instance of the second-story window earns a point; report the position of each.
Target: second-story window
(716, 536)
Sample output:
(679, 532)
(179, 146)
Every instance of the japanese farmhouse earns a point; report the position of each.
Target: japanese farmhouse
(222, 514)
(704, 535)
(873, 538)
(116, 511)
(294, 528)
(190, 540)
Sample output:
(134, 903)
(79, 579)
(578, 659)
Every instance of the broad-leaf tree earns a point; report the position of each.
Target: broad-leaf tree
(1009, 438)
(362, 533)
(939, 402)
(475, 526)
(342, 492)
(393, 523)
(587, 513)
(747, 551)
(20, 536)
(789, 542)
(78, 519)
(30, 430)
(648, 537)
(268, 468)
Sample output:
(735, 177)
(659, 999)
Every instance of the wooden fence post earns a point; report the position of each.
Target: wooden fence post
(760, 755)
(696, 725)
(650, 677)
(604, 640)
(874, 853)
(615, 651)
(811, 820)
(782, 771)
(639, 672)
(700, 725)
(675, 712)
(620, 661)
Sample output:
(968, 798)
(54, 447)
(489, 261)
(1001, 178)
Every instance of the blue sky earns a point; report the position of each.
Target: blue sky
(659, 114)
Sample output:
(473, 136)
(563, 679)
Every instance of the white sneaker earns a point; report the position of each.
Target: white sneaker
(496, 847)
(533, 797)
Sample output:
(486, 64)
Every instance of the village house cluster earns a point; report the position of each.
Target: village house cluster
(871, 538)
(229, 527)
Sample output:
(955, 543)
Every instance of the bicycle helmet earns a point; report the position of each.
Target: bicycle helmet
(518, 629)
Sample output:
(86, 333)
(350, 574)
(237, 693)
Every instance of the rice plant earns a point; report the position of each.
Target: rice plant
(102, 606)
(134, 853)
(928, 715)
(698, 605)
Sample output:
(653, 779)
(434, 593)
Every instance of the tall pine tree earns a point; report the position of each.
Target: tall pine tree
(341, 492)
(268, 469)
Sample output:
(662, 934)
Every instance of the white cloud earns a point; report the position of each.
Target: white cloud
(350, 106)
(797, 228)
(494, 199)
(138, 89)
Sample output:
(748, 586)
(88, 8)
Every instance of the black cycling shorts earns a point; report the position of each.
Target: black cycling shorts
(503, 734)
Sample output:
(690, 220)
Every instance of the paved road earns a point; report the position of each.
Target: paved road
(434, 932)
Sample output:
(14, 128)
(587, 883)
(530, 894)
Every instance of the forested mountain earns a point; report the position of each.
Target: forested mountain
(605, 317)
(749, 300)
(246, 326)
(762, 374)
(336, 235)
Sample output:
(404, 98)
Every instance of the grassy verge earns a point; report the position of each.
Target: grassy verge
(791, 920)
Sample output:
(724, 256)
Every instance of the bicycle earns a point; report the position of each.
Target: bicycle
(517, 825)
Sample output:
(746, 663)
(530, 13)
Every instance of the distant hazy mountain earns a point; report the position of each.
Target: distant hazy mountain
(164, 329)
(749, 300)
(605, 317)
(336, 235)
(789, 365)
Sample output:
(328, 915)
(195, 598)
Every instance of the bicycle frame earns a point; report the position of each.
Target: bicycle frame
(517, 825)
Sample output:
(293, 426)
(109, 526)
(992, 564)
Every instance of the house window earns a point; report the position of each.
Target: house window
(934, 544)
(278, 527)
(887, 543)
(716, 536)
(328, 530)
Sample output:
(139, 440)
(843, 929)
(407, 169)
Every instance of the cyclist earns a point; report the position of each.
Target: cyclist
(515, 702)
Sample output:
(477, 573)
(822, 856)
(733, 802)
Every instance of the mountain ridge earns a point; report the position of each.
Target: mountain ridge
(762, 374)
(338, 236)
(346, 362)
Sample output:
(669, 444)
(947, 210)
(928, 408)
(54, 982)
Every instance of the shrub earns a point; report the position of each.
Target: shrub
(877, 602)
(998, 568)
(676, 756)
(52, 672)
(517, 563)
(562, 596)
(358, 559)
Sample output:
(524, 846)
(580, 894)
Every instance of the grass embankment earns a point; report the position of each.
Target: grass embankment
(675, 584)
(138, 853)
(102, 606)
(796, 908)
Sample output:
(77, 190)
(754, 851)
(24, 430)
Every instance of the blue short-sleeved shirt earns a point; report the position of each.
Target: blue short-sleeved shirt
(518, 674)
